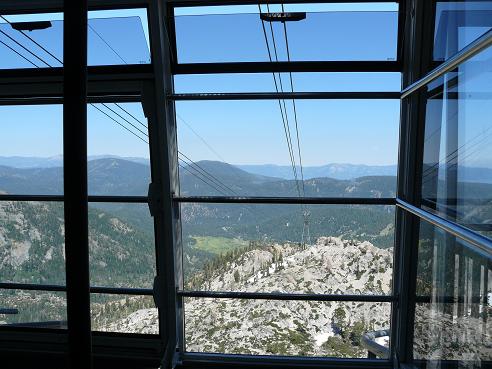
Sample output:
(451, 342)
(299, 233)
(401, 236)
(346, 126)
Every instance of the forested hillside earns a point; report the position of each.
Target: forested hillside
(241, 247)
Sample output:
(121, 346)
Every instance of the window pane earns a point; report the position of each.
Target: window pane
(118, 149)
(32, 242)
(289, 328)
(124, 314)
(303, 82)
(31, 148)
(122, 249)
(321, 249)
(453, 314)
(36, 309)
(31, 41)
(36, 40)
(457, 174)
(118, 37)
(242, 147)
(458, 23)
(368, 34)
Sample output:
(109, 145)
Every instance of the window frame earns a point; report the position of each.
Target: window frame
(272, 67)
(410, 214)
(117, 83)
(152, 84)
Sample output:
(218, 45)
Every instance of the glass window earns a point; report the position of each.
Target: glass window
(452, 315)
(36, 40)
(343, 32)
(242, 147)
(121, 242)
(32, 242)
(118, 37)
(303, 82)
(118, 149)
(31, 148)
(124, 314)
(31, 41)
(287, 328)
(457, 173)
(458, 23)
(318, 249)
(35, 309)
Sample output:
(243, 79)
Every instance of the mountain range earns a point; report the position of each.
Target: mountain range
(342, 171)
(333, 170)
(239, 247)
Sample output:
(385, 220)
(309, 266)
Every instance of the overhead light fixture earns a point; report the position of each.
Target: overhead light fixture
(30, 26)
(282, 17)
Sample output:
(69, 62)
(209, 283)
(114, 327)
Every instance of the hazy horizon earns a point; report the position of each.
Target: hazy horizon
(142, 159)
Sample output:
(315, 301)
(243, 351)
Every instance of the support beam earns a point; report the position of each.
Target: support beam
(417, 53)
(285, 67)
(75, 184)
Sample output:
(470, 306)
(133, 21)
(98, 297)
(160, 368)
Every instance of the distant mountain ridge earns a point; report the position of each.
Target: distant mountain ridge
(332, 170)
(265, 172)
(29, 162)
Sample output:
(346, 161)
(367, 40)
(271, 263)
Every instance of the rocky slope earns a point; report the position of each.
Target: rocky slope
(268, 327)
(309, 328)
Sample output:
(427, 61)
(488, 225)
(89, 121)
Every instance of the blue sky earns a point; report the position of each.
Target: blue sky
(249, 132)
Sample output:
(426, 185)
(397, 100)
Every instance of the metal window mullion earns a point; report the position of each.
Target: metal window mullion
(120, 199)
(284, 296)
(47, 198)
(286, 200)
(190, 3)
(382, 95)
(163, 154)
(122, 72)
(32, 287)
(61, 288)
(56, 6)
(417, 55)
(60, 198)
(285, 67)
(122, 291)
(75, 184)
(243, 361)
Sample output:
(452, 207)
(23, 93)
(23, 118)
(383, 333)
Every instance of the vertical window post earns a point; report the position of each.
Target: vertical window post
(163, 153)
(416, 48)
(75, 183)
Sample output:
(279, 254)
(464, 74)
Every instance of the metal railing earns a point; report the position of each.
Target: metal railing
(482, 243)
(368, 340)
(468, 52)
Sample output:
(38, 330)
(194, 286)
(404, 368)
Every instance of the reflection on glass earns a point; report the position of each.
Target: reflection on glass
(121, 242)
(289, 248)
(118, 39)
(32, 242)
(36, 40)
(289, 328)
(124, 314)
(367, 35)
(457, 172)
(35, 44)
(458, 23)
(117, 149)
(303, 82)
(454, 301)
(36, 309)
(31, 145)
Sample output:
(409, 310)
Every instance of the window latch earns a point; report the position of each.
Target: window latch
(30, 26)
(282, 17)
(154, 199)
